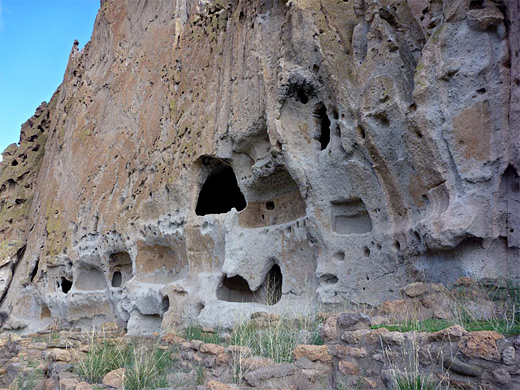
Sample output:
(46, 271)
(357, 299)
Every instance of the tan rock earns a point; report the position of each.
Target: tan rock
(329, 329)
(83, 386)
(453, 333)
(216, 385)
(396, 338)
(315, 353)
(369, 383)
(170, 338)
(212, 349)
(68, 383)
(354, 336)
(343, 351)
(481, 344)
(196, 344)
(348, 368)
(114, 378)
(415, 289)
(59, 355)
(375, 335)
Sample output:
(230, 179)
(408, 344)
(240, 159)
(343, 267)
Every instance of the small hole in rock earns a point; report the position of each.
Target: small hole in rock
(361, 132)
(302, 96)
(165, 304)
(339, 256)
(328, 279)
(117, 279)
(35, 270)
(66, 285)
(269, 205)
(320, 113)
(366, 252)
(476, 4)
(14, 163)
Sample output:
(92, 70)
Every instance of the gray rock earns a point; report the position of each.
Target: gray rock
(353, 321)
(509, 355)
(502, 376)
(461, 368)
(255, 378)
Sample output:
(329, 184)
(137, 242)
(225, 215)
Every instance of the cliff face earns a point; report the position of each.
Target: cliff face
(206, 159)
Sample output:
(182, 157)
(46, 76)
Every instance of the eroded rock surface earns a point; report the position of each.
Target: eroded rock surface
(207, 160)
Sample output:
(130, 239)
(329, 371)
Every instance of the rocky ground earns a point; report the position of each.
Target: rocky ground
(352, 351)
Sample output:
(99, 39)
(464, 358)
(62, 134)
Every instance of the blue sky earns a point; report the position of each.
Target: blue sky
(36, 37)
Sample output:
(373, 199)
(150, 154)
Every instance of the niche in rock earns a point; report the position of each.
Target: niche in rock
(274, 199)
(220, 192)
(117, 279)
(323, 124)
(120, 268)
(90, 278)
(236, 289)
(159, 264)
(34, 272)
(65, 285)
(350, 217)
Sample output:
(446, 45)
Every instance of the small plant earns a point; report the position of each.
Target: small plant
(498, 308)
(195, 332)
(104, 356)
(413, 383)
(406, 371)
(147, 368)
(200, 375)
(278, 338)
(27, 380)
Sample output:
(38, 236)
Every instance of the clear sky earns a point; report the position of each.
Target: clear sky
(36, 37)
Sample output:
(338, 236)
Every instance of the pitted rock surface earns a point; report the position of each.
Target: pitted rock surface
(204, 161)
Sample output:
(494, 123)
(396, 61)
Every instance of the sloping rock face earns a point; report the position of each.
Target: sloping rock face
(209, 159)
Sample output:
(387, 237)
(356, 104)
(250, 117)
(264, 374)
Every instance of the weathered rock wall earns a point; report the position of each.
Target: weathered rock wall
(374, 143)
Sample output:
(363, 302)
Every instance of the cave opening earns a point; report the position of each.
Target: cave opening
(35, 270)
(66, 285)
(273, 285)
(220, 193)
(117, 279)
(320, 113)
(236, 289)
(165, 305)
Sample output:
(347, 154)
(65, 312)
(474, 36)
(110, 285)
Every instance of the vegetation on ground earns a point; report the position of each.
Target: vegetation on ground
(146, 366)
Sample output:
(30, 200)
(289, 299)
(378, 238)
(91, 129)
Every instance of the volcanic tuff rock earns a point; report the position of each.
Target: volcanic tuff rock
(207, 159)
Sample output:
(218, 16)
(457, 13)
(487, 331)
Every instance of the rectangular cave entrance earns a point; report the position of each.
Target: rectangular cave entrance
(350, 217)
(160, 263)
(236, 289)
(220, 192)
(120, 268)
(274, 199)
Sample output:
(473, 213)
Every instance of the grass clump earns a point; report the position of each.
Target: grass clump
(104, 356)
(430, 325)
(414, 383)
(27, 380)
(195, 332)
(146, 366)
(277, 338)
